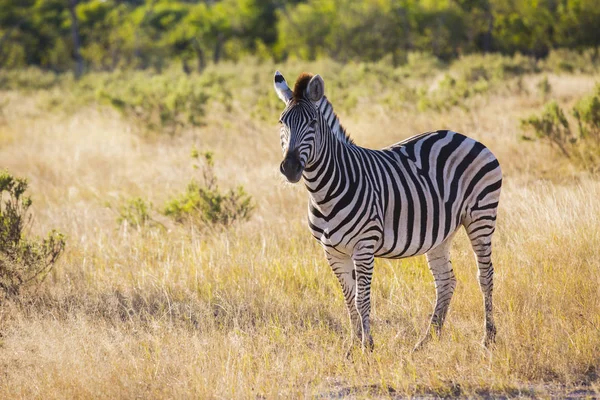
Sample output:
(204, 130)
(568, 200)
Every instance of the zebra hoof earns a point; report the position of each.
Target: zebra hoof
(490, 337)
(368, 345)
(351, 352)
(426, 339)
(419, 346)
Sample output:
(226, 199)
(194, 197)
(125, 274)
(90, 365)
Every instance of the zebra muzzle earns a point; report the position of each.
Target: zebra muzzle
(292, 168)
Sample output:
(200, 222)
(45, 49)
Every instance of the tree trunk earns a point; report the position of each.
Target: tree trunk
(199, 56)
(218, 48)
(185, 66)
(488, 37)
(406, 27)
(137, 52)
(435, 43)
(76, 39)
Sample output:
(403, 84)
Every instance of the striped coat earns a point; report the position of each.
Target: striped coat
(404, 200)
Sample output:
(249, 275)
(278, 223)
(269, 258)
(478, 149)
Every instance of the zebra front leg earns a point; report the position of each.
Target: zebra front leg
(363, 264)
(343, 268)
(440, 265)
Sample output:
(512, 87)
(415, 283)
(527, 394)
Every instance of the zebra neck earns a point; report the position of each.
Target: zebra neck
(333, 122)
(331, 141)
(330, 167)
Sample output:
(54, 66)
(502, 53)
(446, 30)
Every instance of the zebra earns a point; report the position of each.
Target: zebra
(405, 200)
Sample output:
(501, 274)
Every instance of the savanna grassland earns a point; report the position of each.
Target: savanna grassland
(183, 310)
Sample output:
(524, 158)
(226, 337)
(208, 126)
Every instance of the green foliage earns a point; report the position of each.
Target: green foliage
(420, 65)
(544, 87)
(152, 34)
(29, 79)
(493, 67)
(474, 75)
(571, 61)
(552, 126)
(523, 26)
(156, 103)
(172, 101)
(587, 113)
(136, 212)
(204, 204)
(452, 92)
(22, 261)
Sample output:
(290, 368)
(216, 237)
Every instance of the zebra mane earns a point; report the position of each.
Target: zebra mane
(301, 85)
(326, 109)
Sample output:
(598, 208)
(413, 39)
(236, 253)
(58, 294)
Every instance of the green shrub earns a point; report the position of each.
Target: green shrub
(552, 126)
(31, 78)
(205, 204)
(544, 87)
(474, 75)
(136, 212)
(569, 61)
(156, 103)
(451, 92)
(420, 65)
(492, 67)
(587, 113)
(22, 261)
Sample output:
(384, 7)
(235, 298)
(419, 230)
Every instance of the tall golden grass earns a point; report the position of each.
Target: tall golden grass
(255, 311)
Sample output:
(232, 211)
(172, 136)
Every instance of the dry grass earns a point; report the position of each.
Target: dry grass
(255, 311)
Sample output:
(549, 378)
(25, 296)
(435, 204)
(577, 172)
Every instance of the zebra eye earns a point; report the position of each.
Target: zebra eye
(313, 123)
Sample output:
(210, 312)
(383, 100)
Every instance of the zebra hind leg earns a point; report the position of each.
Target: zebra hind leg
(480, 230)
(445, 283)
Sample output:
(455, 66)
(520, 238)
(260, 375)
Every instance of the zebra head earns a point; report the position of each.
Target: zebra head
(298, 122)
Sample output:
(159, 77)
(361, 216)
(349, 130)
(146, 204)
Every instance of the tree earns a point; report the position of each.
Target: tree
(76, 39)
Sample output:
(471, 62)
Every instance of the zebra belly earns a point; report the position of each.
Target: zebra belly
(418, 228)
(404, 247)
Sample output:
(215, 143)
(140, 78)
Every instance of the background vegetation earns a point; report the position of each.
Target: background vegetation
(198, 278)
(109, 34)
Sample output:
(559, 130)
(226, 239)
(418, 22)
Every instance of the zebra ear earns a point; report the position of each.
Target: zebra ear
(315, 89)
(281, 88)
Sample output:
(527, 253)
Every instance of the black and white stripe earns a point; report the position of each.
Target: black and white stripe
(404, 200)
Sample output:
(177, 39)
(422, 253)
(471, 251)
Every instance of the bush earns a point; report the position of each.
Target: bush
(421, 65)
(544, 87)
(553, 127)
(587, 113)
(452, 92)
(472, 75)
(136, 212)
(22, 261)
(492, 67)
(570, 61)
(30, 79)
(205, 203)
(156, 103)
